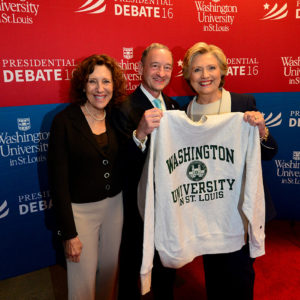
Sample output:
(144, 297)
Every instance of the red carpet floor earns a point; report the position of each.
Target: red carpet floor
(277, 272)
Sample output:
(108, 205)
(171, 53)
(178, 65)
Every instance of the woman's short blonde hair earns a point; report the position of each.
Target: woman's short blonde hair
(202, 48)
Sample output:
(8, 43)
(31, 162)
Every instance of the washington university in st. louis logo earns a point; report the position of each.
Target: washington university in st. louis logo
(196, 170)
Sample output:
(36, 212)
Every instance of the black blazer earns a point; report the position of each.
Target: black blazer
(80, 171)
(243, 103)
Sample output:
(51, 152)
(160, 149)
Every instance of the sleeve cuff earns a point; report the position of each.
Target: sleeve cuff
(265, 146)
(145, 283)
(140, 144)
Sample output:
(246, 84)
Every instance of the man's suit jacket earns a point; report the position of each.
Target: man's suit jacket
(126, 119)
(129, 113)
(80, 170)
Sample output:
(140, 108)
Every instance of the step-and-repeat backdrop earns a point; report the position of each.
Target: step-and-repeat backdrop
(41, 42)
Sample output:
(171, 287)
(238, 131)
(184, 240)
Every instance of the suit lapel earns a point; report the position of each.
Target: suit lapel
(169, 104)
(141, 100)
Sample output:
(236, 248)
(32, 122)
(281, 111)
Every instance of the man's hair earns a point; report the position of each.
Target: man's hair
(153, 46)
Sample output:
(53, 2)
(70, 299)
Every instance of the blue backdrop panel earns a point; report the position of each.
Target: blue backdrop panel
(282, 115)
(26, 215)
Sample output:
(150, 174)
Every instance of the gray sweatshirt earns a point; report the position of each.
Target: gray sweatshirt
(201, 191)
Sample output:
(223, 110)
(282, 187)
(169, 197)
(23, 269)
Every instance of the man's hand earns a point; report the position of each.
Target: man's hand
(149, 121)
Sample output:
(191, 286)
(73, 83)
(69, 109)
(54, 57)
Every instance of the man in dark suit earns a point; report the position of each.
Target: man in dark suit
(135, 119)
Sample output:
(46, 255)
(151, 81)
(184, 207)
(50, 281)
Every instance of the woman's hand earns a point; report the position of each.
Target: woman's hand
(255, 118)
(73, 249)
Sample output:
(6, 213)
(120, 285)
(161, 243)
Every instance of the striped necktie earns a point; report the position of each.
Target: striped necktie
(157, 103)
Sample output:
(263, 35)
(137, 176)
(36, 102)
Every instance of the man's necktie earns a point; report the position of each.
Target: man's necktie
(157, 103)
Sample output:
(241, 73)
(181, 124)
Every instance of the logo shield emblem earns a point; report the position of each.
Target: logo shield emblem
(127, 53)
(296, 155)
(196, 170)
(24, 124)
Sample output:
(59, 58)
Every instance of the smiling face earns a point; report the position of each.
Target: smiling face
(205, 76)
(99, 88)
(157, 70)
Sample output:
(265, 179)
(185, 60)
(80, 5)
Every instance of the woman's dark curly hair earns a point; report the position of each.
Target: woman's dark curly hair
(86, 67)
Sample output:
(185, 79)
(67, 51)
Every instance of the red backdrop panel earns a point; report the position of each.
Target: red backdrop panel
(41, 41)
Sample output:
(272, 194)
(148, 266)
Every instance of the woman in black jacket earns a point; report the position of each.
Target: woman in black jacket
(84, 172)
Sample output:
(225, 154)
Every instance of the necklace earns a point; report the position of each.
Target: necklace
(96, 119)
(192, 108)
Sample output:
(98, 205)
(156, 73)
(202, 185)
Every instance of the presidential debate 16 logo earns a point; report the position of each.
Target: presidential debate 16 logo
(162, 9)
(275, 11)
(4, 210)
(92, 7)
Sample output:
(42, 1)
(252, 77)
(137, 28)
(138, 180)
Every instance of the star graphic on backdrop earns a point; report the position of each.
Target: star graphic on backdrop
(266, 6)
(179, 63)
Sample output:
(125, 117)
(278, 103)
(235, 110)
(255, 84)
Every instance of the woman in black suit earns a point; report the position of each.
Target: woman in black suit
(84, 173)
(229, 275)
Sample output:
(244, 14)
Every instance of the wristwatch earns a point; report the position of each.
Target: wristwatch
(138, 141)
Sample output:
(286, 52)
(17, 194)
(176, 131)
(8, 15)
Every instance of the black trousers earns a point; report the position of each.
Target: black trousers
(163, 280)
(131, 253)
(229, 275)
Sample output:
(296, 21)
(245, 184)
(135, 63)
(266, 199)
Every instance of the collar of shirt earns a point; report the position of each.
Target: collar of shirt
(151, 98)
